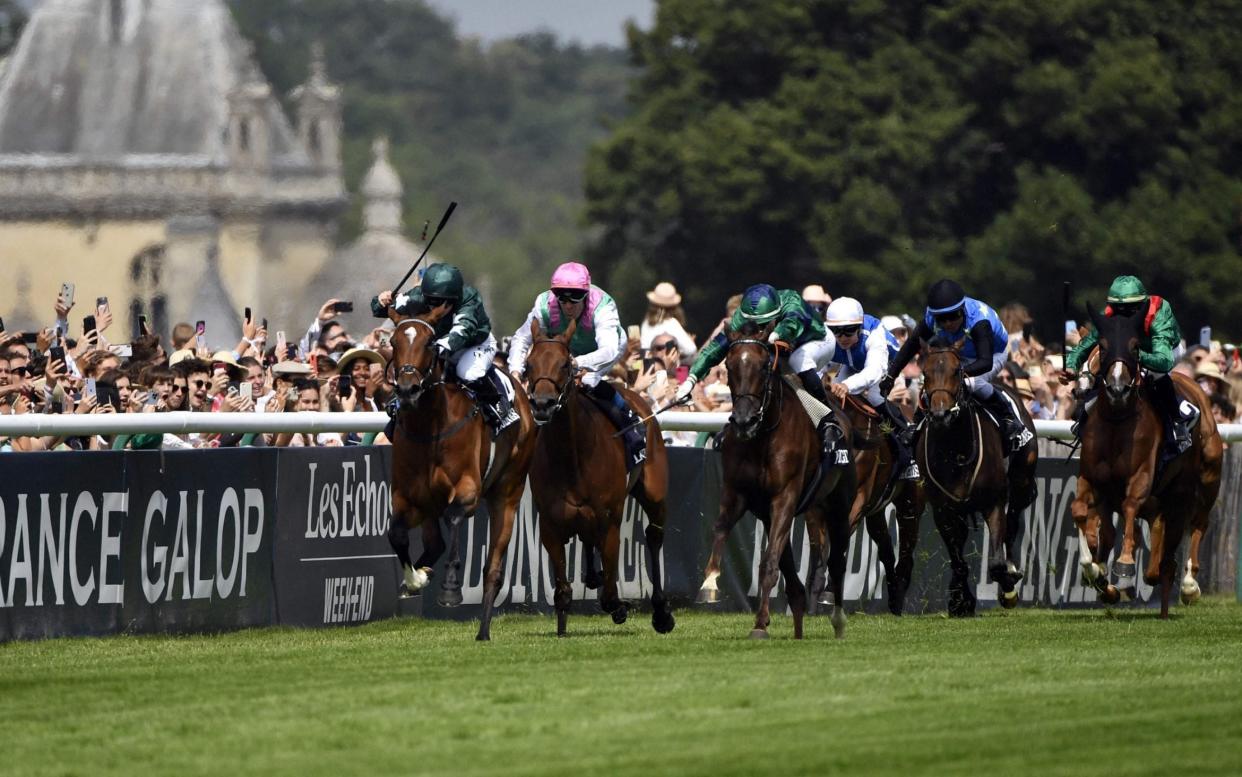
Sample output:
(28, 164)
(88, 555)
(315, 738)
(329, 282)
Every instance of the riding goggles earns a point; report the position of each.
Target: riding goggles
(570, 296)
(845, 331)
(946, 318)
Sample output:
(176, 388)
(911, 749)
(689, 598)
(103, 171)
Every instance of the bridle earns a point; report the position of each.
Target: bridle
(562, 390)
(767, 376)
(959, 396)
(393, 372)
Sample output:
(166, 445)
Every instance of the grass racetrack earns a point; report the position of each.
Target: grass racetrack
(1024, 692)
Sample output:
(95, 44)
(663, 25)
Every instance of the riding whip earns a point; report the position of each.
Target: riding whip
(452, 206)
(676, 403)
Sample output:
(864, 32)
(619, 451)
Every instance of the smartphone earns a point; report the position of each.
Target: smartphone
(200, 334)
(649, 362)
(66, 294)
(143, 329)
(88, 324)
(314, 363)
(265, 325)
(124, 350)
(90, 387)
(30, 338)
(1205, 337)
(633, 332)
(343, 307)
(245, 389)
(282, 347)
(56, 353)
(101, 303)
(344, 385)
(247, 315)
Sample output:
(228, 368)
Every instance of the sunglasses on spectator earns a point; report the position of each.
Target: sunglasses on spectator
(663, 346)
(571, 296)
(845, 331)
(200, 384)
(179, 388)
(20, 370)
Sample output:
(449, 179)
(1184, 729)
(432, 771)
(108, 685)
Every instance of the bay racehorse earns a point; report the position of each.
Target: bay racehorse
(579, 482)
(878, 486)
(1122, 469)
(960, 453)
(445, 463)
(770, 454)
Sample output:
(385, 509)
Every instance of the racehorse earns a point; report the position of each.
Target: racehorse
(579, 482)
(1121, 470)
(440, 466)
(770, 455)
(960, 453)
(878, 486)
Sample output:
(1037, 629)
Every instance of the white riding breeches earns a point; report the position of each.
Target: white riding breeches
(813, 355)
(472, 363)
(870, 393)
(591, 379)
(981, 385)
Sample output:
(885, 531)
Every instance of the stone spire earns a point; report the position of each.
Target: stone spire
(249, 103)
(319, 114)
(382, 191)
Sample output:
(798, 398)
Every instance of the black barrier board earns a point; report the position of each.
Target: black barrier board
(333, 563)
(197, 547)
(62, 516)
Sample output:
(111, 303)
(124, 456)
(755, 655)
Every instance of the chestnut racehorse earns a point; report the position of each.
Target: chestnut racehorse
(579, 482)
(878, 487)
(960, 455)
(1121, 471)
(770, 453)
(440, 465)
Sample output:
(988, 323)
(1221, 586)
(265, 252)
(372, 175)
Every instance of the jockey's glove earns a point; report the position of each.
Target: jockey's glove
(886, 385)
(683, 391)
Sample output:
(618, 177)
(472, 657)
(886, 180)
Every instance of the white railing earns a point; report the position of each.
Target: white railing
(40, 425)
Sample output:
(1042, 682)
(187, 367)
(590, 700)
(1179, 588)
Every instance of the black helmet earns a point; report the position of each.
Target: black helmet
(442, 281)
(945, 296)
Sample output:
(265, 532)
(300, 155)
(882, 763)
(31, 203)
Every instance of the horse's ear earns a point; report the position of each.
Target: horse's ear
(536, 331)
(568, 334)
(435, 314)
(1093, 316)
(959, 345)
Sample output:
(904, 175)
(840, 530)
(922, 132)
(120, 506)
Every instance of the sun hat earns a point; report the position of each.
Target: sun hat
(353, 354)
(665, 295)
(893, 323)
(816, 293)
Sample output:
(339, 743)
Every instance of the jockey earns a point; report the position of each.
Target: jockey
(951, 316)
(797, 329)
(863, 349)
(1128, 297)
(464, 337)
(596, 346)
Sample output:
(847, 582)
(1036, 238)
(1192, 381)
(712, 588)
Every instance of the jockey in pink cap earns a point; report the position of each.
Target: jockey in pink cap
(597, 344)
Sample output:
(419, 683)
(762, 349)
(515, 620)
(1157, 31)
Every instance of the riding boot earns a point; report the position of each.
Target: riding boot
(392, 409)
(1014, 431)
(905, 463)
(815, 387)
(493, 400)
(1179, 414)
(623, 416)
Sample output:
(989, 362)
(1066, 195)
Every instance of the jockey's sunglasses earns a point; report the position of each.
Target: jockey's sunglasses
(572, 296)
(435, 302)
(944, 318)
(845, 331)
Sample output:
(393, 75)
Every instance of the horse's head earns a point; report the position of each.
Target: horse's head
(944, 385)
(549, 371)
(414, 357)
(1118, 348)
(750, 362)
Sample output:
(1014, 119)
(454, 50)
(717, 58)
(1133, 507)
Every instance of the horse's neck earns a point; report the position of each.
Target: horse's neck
(958, 436)
(567, 432)
(442, 404)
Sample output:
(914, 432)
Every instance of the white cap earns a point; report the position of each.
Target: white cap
(844, 311)
(892, 322)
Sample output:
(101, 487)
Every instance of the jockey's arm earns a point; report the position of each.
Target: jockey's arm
(519, 346)
(874, 365)
(909, 349)
(1079, 352)
(981, 336)
(710, 355)
(1165, 335)
(608, 339)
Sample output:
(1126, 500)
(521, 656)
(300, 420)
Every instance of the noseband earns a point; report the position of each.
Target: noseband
(561, 390)
(959, 396)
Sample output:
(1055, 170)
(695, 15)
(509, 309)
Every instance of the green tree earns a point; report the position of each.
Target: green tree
(876, 145)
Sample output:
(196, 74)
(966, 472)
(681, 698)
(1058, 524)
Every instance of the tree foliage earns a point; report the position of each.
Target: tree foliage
(876, 145)
(503, 129)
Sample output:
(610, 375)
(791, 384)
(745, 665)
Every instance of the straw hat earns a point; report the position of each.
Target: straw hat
(665, 295)
(353, 354)
(229, 361)
(291, 368)
(816, 293)
(180, 356)
(1023, 385)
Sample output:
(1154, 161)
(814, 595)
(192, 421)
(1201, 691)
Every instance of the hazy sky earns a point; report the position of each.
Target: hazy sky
(585, 21)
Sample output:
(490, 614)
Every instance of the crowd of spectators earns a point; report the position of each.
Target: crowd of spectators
(328, 369)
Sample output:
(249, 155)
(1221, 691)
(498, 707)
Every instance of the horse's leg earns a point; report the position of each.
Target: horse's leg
(610, 552)
(1002, 569)
(952, 528)
(1095, 541)
(778, 522)
(662, 619)
(1138, 489)
(1190, 591)
(1166, 535)
(553, 541)
(877, 529)
(838, 529)
(818, 590)
(592, 578)
(910, 506)
(819, 583)
(450, 589)
(795, 591)
(502, 511)
(413, 579)
(731, 507)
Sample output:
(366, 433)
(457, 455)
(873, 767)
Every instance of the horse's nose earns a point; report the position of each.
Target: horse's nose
(542, 406)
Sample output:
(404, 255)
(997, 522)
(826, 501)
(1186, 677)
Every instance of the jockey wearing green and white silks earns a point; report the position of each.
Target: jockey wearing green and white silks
(599, 340)
(597, 344)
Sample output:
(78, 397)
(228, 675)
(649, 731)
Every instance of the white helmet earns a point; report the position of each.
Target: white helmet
(844, 311)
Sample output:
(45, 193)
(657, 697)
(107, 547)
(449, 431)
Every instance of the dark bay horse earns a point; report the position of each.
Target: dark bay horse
(440, 466)
(1120, 471)
(960, 454)
(770, 453)
(579, 482)
(878, 487)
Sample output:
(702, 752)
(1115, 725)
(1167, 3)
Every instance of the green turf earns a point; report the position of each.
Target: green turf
(1030, 691)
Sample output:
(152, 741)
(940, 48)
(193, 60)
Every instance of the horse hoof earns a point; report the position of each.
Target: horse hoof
(1129, 593)
(620, 614)
(759, 634)
(1009, 599)
(1109, 595)
(708, 596)
(838, 623)
(1190, 592)
(828, 599)
(483, 637)
(449, 598)
(663, 622)
(405, 592)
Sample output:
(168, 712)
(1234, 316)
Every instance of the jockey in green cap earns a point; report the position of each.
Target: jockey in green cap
(1161, 335)
(464, 337)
